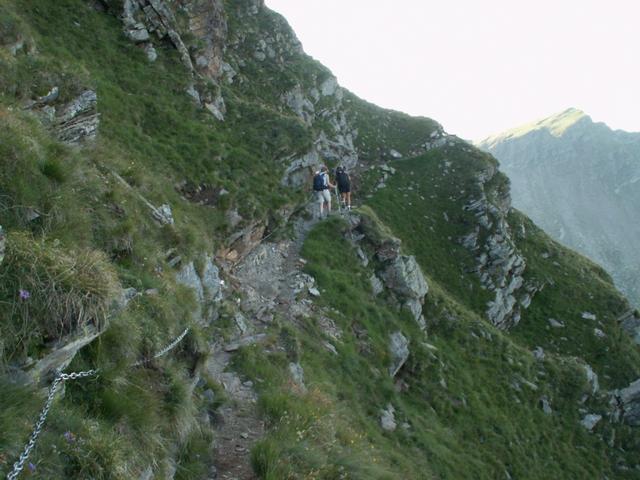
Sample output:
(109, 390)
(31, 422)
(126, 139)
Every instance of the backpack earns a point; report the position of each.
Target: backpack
(342, 177)
(318, 182)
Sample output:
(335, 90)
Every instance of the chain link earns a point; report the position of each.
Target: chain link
(18, 466)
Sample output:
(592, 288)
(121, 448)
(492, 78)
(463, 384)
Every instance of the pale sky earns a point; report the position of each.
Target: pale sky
(480, 66)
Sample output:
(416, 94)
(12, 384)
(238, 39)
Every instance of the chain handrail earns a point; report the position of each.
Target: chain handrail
(60, 377)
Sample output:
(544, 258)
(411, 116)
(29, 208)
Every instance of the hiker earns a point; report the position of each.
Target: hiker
(344, 186)
(321, 185)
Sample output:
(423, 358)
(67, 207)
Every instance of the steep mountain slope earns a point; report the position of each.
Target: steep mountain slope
(579, 181)
(155, 158)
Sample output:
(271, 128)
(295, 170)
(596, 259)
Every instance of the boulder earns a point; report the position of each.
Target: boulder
(404, 277)
(399, 349)
(545, 405)
(387, 419)
(590, 421)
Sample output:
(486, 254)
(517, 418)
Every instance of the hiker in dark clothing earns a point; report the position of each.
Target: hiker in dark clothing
(344, 186)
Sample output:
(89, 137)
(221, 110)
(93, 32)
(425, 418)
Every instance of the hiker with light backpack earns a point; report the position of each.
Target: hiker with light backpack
(321, 186)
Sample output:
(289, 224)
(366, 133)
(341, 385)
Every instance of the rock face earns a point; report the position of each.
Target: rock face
(499, 265)
(579, 181)
(79, 120)
(626, 404)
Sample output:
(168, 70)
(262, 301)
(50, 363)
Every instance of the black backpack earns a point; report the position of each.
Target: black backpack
(342, 177)
(318, 182)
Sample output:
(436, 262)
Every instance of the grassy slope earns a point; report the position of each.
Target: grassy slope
(154, 137)
(465, 419)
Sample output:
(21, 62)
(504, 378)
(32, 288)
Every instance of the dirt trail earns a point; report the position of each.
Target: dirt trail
(270, 280)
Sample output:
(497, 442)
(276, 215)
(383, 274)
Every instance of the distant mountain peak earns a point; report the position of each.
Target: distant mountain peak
(556, 125)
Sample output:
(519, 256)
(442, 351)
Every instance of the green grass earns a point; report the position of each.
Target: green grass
(466, 419)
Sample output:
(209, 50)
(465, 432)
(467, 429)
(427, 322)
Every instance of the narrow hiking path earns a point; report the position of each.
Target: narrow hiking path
(270, 280)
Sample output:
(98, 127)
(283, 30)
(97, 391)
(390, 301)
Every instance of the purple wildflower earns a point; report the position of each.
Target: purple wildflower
(24, 294)
(69, 437)
(32, 467)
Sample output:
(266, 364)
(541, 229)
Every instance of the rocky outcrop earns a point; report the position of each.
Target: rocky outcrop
(62, 353)
(206, 286)
(499, 265)
(300, 171)
(626, 404)
(404, 278)
(74, 122)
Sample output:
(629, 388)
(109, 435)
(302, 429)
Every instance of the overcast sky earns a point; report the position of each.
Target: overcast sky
(480, 67)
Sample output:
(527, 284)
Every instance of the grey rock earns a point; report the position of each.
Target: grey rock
(588, 316)
(211, 282)
(377, 287)
(299, 171)
(555, 323)
(125, 297)
(314, 292)
(297, 375)
(209, 396)
(631, 324)
(538, 353)
(217, 108)
(330, 347)
(545, 405)
(62, 354)
(395, 154)
(163, 214)
(629, 403)
(387, 419)
(147, 474)
(404, 277)
(137, 33)
(150, 51)
(329, 87)
(590, 420)
(188, 277)
(599, 333)
(241, 323)
(592, 378)
(78, 120)
(194, 94)
(399, 349)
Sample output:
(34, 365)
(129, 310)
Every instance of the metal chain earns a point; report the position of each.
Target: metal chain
(166, 349)
(62, 377)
